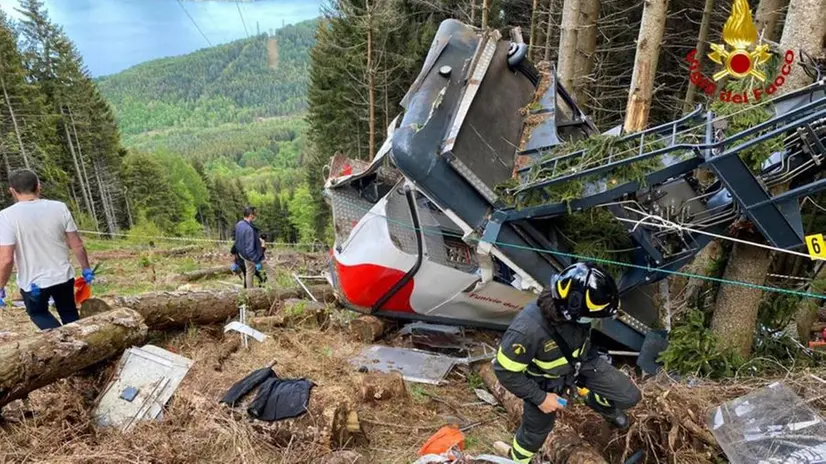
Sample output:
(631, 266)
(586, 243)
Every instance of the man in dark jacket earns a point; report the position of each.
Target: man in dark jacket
(248, 245)
(545, 353)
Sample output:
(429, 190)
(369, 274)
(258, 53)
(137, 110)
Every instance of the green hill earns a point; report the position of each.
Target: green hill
(238, 82)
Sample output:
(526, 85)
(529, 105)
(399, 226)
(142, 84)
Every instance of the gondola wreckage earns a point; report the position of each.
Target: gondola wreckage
(422, 234)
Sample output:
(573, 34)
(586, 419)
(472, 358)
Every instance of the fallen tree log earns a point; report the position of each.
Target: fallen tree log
(176, 251)
(367, 328)
(192, 276)
(563, 444)
(267, 322)
(164, 310)
(35, 361)
(377, 386)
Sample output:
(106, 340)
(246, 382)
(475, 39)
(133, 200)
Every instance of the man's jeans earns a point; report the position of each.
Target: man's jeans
(64, 301)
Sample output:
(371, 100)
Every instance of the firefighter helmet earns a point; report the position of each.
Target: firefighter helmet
(584, 290)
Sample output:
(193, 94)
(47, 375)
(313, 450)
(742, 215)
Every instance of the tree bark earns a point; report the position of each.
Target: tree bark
(14, 123)
(86, 199)
(267, 322)
(83, 168)
(767, 17)
(367, 328)
(204, 273)
(534, 33)
(735, 313)
(652, 28)
(568, 30)
(549, 30)
(377, 386)
(805, 29)
(38, 360)
(807, 309)
(164, 310)
(702, 47)
(586, 49)
(562, 445)
(485, 6)
(371, 83)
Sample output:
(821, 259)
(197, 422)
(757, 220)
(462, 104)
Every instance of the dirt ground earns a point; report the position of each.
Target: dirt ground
(56, 426)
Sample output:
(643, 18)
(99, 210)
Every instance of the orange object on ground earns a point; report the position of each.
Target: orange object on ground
(83, 291)
(443, 440)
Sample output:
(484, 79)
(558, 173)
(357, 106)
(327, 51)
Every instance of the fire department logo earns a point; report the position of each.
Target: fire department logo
(740, 34)
(740, 57)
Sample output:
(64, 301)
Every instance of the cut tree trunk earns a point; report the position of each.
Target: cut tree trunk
(563, 444)
(367, 328)
(735, 314)
(164, 310)
(204, 273)
(568, 31)
(379, 386)
(807, 309)
(652, 28)
(767, 17)
(267, 322)
(804, 29)
(586, 48)
(702, 46)
(38, 360)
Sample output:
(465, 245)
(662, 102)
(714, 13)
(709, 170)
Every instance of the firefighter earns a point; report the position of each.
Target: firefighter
(546, 353)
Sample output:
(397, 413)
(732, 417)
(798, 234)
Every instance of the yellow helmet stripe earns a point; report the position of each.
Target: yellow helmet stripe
(563, 292)
(590, 304)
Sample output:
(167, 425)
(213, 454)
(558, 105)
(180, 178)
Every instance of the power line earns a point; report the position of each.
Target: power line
(242, 18)
(194, 23)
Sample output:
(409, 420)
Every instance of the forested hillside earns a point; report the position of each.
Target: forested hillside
(237, 82)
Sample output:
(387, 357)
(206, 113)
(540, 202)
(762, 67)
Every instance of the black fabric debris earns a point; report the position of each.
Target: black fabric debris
(279, 399)
(276, 399)
(246, 385)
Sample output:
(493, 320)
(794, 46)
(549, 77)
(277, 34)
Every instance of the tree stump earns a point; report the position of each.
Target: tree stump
(379, 386)
(367, 328)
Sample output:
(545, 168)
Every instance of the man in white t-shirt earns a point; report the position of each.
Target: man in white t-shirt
(36, 234)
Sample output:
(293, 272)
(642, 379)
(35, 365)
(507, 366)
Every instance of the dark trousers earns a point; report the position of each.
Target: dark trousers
(64, 301)
(610, 387)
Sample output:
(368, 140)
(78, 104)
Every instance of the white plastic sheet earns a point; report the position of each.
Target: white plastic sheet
(768, 426)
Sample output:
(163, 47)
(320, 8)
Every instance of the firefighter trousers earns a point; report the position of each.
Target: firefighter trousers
(610, 388)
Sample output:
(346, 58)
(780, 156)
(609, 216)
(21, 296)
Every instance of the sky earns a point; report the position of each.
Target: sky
(113, 35)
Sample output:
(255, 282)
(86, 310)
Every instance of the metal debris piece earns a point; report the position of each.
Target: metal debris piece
(485, 396)
(767, 426)
(414, 365)
(129, 393)
(153, 373)
(298, 279)
(245, 330)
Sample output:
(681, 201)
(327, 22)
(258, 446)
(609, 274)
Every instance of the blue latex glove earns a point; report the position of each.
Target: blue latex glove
(88, 275)
(234, 268)
(35, 291)
(2, 297)
(257, 266)
(562, 402)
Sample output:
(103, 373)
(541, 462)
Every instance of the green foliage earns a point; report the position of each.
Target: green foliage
(742, 117)
(693, 349)
(303, 214)
(596, 233)
(238, 82)
(597, 148)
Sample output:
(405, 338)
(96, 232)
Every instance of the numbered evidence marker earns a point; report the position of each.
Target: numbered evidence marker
(817, 246)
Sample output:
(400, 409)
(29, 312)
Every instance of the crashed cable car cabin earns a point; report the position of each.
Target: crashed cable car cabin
(421, 233)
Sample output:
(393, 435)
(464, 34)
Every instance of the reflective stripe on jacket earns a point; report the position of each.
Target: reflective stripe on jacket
(528, 351)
